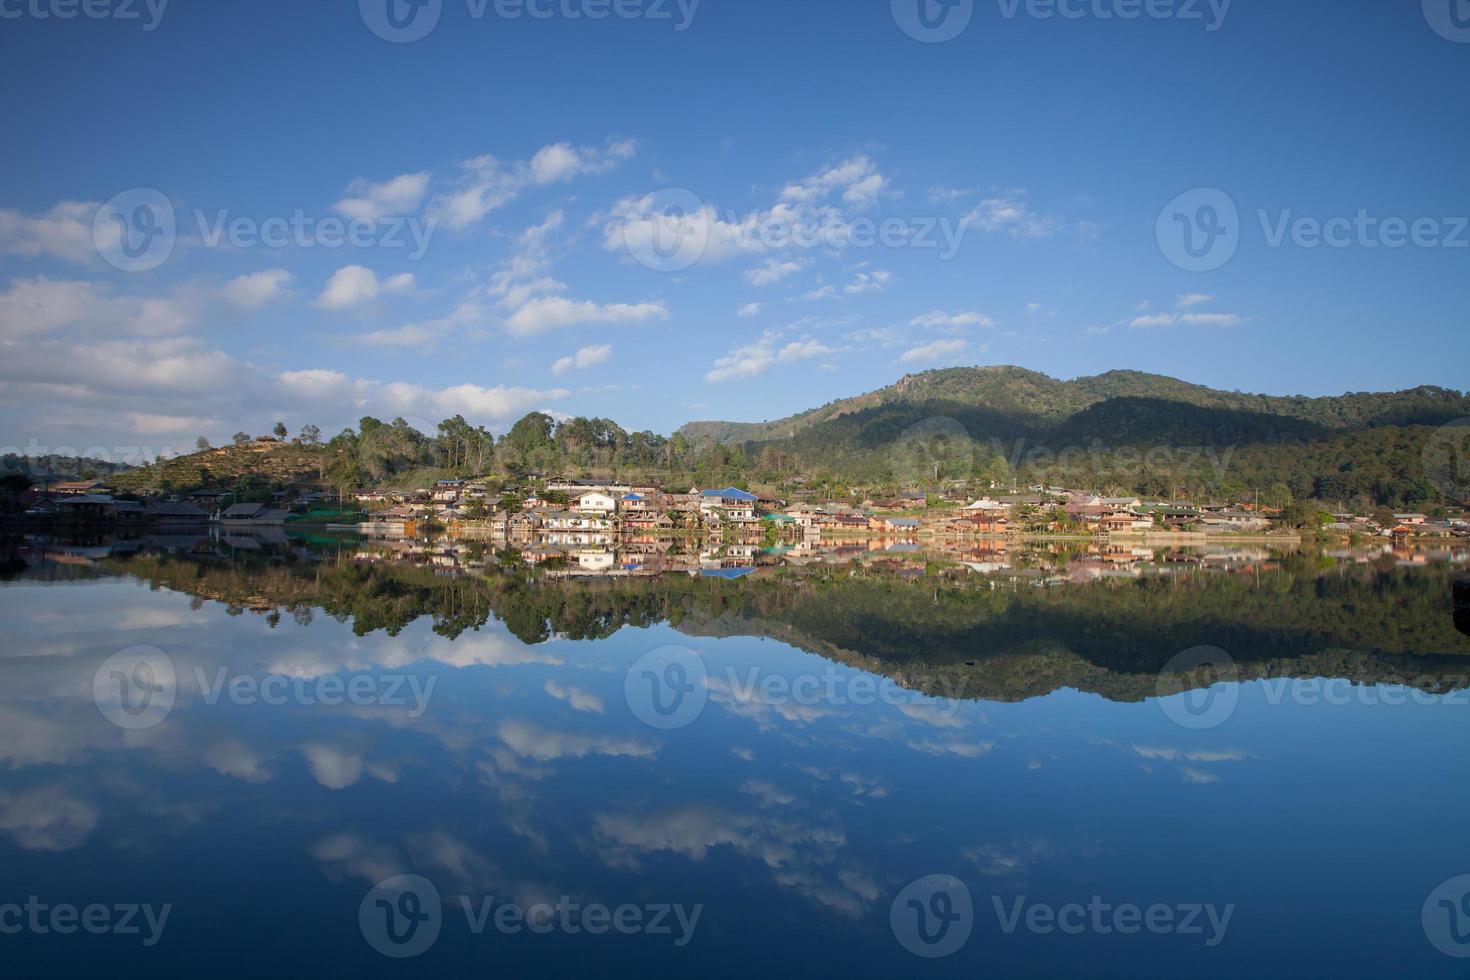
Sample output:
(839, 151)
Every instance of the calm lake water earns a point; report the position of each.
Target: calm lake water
(323, 758)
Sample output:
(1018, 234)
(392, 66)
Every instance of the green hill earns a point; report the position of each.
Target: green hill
(1126, 429)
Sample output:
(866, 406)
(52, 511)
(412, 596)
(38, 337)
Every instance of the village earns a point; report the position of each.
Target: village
(520, 511)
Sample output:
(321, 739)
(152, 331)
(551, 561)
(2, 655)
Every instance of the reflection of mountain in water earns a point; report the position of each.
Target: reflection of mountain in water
(943, 629)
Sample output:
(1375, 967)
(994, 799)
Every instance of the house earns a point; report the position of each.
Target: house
(252, 514)
(648, 521)
(79, 488)
(447, 491)
(1235, 520)
(987, 506)
(894, 525)
(177, 513)
(594, 502)
(1411, 519)
(732, 503)
(990, 523)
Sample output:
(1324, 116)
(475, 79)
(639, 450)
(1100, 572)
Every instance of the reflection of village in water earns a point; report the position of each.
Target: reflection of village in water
(593, 555)
(571, 554)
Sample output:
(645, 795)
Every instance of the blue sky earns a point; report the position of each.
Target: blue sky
(1039, 156)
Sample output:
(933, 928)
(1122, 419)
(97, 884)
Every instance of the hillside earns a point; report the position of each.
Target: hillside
(253, 464)
(1030, 400)
(1124, 429)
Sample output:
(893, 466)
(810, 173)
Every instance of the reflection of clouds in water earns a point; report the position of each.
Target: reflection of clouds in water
(767, 794)
(940, 714)
(805, 858)
(351, 855)
(579, 699)
(1012, 860)
(543, 745)
(29, 738)
(338, 768)
(857, 784)
(479, 650)
(1191, 760)
(233, 757)
(748, 704)
(437, 854)
(1197, 776)
(965, 750)
(48, 819)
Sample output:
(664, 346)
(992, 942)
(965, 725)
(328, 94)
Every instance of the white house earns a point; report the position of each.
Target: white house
(594, 502)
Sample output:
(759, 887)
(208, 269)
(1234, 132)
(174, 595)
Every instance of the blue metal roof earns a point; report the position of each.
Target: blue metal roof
(726, 573)
(732, 493)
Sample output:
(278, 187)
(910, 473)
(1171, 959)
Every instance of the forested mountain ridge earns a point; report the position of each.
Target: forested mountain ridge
(1125, 430)
(1031, 399)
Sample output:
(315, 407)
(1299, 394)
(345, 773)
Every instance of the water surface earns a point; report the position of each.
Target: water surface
(855, 721)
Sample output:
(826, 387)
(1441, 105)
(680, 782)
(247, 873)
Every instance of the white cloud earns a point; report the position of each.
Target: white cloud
(823, 292)
(1188, 319)
(64, 232)
(554, 312)
(867, 282)
(939, 351)
(774, 270)
(944, 318)
(857, 179)
(487, 183)
(354, 285)
(1192, 299)
(749, 361)
(949, 195)
(41, 305)
(749, 310)
(753, 360)
(585, 358)
(424, 335)
(399, 196)
(1011, 214)
(562, 161)
(253, 291)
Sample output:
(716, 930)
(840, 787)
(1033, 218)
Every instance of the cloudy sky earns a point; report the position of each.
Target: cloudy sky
(213, 216)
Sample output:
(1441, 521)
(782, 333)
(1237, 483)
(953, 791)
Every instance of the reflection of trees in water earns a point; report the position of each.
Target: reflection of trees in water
(1005, 638)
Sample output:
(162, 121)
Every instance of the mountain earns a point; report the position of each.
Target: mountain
(1142, 432)
(1035, 400)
